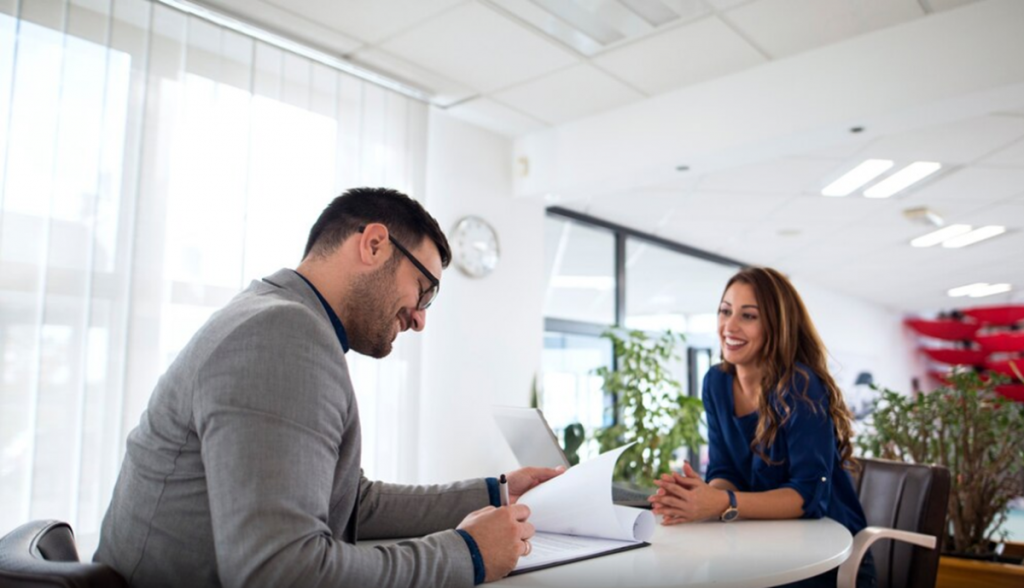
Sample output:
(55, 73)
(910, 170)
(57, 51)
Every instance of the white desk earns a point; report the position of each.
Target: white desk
(743, 554)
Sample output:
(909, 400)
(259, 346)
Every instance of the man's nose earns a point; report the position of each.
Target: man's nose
(418, 319)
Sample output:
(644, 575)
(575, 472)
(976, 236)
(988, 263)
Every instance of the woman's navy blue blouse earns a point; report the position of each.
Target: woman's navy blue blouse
(805, 452)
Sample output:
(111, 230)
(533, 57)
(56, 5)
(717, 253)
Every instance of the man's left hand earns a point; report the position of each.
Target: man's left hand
(523, 479)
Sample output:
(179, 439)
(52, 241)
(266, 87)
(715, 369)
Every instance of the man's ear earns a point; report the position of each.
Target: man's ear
(374, 246)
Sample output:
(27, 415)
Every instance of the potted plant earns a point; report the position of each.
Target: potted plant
(979, 436)
(653, 411)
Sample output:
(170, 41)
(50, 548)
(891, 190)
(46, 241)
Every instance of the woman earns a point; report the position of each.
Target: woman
(778, 429)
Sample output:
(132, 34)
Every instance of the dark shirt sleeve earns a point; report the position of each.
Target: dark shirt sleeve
(479, 572)
(720, 463)
(810, 444)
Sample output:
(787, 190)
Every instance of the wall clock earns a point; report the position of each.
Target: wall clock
(475, 246)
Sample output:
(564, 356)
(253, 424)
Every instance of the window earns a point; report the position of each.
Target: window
(602, 275)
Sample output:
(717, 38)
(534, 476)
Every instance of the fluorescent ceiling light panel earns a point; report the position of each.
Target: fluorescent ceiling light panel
(584, 282)
(966, 290)
(653, 11)
(902, 179)
(582, 19)
(857, 177)
(974, 236)
(936, 237)
(978, 290)
(989, 290)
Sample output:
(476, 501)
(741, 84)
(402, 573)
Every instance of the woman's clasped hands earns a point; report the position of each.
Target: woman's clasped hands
(686, 497)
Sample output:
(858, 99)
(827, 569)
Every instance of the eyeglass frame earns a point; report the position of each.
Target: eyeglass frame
(435, 283)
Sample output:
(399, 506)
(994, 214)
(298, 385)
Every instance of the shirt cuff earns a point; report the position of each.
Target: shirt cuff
(479, 573)
(493, 492)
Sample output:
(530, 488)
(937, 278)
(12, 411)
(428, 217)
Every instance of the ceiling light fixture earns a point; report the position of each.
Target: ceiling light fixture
(979, 290)
(902, 179)
(857, 177)
(936, 237)
(974, 236)
(965, 290)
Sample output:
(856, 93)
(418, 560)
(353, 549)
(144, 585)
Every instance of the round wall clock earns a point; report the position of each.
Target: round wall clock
(475, 246)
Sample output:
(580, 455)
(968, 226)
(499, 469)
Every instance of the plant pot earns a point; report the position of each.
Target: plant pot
(959, 572)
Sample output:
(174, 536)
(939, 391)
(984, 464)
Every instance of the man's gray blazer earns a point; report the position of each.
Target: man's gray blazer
(245, 467)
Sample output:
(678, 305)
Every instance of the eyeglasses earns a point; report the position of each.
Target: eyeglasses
(428, 296)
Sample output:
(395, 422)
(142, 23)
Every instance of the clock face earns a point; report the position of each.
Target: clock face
(475, 246)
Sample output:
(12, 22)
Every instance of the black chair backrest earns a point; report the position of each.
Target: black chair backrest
(43, 554)
(908, 497)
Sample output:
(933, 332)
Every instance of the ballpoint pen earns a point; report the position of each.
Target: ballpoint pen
(503, 485)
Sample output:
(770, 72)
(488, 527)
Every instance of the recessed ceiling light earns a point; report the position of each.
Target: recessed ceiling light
(936, 237)
(974, 236)
(902, 179)
(857, 177)
(965, 290)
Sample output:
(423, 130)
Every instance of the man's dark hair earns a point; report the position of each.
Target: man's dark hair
(406, 220)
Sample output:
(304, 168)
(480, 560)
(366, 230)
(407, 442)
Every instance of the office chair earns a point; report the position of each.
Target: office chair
(43, 554)
(904, 503)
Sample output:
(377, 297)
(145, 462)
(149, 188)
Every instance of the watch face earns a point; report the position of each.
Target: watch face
(475, 246)
(730, 514)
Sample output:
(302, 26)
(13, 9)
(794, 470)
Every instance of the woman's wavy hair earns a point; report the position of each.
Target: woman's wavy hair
(789, 338)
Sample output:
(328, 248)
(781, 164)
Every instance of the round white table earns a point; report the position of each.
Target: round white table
(742, 554)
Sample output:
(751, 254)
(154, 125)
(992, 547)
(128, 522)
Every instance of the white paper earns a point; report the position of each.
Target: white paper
(574, 515)
(579, 502)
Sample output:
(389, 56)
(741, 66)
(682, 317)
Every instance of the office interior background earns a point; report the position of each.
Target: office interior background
(156, 156)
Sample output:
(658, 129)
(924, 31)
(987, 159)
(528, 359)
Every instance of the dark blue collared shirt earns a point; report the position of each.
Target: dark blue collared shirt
(339, 329)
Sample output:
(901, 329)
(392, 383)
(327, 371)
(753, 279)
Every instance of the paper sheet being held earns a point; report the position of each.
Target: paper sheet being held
(576, 519)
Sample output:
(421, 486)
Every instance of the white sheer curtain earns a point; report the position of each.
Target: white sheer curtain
(151, 165)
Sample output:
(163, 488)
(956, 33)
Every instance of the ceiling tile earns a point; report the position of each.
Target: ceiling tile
(790, 176)
(1012, 155)
(475, 46)
(787, 27)
(683, 55)
(941, 5)
(725, 207)
(495, 117)
(977, 184)
(720, 5)
(955, 143)
(644, 211)
(444, 91)
(806, 210)
(366, 20)
(568, 94)
(290, 22)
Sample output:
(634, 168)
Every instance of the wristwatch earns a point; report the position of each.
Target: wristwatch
(732, 512)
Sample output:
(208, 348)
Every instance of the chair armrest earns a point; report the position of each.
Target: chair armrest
(847, 577)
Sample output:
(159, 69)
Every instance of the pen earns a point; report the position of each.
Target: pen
(503, 484)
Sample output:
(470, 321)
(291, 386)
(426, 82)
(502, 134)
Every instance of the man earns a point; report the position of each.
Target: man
(244, 470)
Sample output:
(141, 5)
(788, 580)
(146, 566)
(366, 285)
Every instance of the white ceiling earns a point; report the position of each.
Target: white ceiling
(489, 62)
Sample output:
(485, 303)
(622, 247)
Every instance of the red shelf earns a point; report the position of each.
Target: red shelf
(997, 315)
(997, 342)
(947, 330)
(1014, 392)
(956, 356)
(1003, 367)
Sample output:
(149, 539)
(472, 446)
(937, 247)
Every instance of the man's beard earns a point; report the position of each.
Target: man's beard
(373, 299)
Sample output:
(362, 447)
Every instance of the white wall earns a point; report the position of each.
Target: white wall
(482, 344)
(862, 336)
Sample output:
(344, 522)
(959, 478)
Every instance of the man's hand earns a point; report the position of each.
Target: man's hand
(501, 534)
(686, 498)
(523, 479)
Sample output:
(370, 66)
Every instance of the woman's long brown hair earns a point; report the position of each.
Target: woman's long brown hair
(789, 337)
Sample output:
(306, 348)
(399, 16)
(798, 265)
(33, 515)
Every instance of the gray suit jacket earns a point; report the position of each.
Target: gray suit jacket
(244, 469)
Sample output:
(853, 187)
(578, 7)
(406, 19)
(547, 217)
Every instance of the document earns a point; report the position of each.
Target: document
(576, 519)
